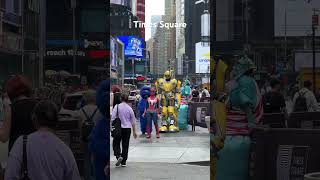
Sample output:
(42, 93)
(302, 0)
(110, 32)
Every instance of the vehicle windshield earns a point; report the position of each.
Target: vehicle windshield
(72, 103)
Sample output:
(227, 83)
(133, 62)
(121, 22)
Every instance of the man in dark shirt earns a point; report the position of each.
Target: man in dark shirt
(273, 101)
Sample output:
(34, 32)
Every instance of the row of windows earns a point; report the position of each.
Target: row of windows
(11, 6)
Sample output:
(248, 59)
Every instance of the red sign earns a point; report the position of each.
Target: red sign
(98, 54)
(315, 20)
(141, 78)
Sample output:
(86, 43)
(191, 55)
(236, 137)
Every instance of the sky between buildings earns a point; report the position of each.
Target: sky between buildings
(153, 7)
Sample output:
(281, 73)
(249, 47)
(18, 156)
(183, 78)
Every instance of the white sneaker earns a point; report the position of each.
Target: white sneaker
(119, 161)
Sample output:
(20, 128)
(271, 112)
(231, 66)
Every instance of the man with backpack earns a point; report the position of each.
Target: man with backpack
(273, 101)
(305, 100)
(89, 115)
(205, 93)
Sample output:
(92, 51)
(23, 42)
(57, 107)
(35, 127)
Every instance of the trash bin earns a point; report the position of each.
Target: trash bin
(312, 176)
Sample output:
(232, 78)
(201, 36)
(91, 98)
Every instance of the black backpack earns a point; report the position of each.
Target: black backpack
(301, 103)
(87, 125)
(203, 94)
(116, 126)
(267, 104)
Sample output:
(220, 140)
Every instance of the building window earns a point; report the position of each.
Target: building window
(3, 4)
(16, 6)
(99, 23)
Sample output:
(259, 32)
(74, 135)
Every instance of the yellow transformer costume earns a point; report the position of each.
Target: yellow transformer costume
(168, 90)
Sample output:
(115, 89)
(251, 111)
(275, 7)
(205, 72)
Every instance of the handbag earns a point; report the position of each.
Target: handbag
(116, 125)
(24, 168)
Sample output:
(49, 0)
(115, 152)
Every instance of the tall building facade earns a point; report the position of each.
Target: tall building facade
(90, 39)
(160, 54)
(19, 38)
(141, 14)
(180, 39)
(170, 34)
(155, 19)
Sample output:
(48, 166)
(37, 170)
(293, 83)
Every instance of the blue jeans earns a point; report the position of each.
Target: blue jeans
(143, 124)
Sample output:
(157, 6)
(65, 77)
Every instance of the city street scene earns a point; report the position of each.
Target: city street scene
(54, 81)
(160, 84)
(265, 89)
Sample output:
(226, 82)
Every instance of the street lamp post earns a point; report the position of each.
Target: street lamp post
(73, 6)
(205, 23)
(22, 36)
(315, 20)
(42, 39)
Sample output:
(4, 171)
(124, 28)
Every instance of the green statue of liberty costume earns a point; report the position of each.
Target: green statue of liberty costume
(245, 110)
(183, 111)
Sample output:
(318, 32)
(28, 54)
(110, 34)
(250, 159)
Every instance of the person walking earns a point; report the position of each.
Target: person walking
(116, 95)
(99, 139)
(205, 93)
(42, 155)
(18, 115)
(195, 93)
(89, 115)
(127, 117)
(305, 100)
(152, 111)
(273, 101)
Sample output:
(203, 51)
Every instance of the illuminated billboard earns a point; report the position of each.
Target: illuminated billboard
(133, 46)
(202, 58)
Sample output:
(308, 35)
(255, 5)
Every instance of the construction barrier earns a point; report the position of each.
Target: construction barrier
(283, 153)
(312, 176)
(198, 112)
(68, 131)
(274, 120)
(305, 120)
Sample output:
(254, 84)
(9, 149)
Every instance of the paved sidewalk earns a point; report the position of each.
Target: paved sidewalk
(182, 147)
(160, 171)
(166, 158)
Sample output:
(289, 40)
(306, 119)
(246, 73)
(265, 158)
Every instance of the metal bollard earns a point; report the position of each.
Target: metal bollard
(312, 176)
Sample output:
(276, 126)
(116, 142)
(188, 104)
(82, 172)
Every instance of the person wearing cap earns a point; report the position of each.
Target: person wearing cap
(273, 101)
(311, 101)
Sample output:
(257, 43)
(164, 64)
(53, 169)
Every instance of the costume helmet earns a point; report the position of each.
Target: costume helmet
(167, 75)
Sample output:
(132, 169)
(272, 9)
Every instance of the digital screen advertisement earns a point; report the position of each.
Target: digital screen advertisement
(202, 58)
(113, 53)
(133, 46)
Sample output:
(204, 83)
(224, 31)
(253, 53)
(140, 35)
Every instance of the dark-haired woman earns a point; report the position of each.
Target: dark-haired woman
(48, 157)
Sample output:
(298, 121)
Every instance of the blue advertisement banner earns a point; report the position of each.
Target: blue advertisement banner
(134, 46)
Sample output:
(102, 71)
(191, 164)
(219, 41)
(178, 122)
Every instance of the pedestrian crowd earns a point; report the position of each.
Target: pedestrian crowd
(29, 124)
(302, 99)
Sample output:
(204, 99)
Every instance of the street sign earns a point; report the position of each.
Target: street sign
(141, 78)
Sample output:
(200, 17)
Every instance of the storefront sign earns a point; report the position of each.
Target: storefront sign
(93, 44)
(65, 53)
(96, 54)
